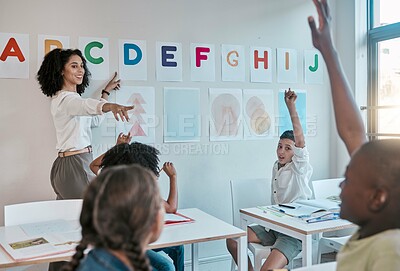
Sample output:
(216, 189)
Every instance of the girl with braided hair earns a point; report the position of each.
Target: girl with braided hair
(147, 156)
(122, 213)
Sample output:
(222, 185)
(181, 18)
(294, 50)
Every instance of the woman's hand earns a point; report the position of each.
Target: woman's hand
(119, 111)
(113, 84)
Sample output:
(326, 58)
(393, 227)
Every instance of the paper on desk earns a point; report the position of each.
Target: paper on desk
(325, 204)
(42, 239)
(36, 247)
(45, 227)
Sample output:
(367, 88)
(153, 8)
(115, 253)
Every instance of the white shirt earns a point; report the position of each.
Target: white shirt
(291, 182)
(73, 117)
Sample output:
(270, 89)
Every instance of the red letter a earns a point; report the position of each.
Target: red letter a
(12, 49)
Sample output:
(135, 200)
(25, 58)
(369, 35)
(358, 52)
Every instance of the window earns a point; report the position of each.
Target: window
(383, 108)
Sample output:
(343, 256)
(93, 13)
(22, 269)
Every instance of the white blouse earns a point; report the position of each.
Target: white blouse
(73, 117)
(292, 181)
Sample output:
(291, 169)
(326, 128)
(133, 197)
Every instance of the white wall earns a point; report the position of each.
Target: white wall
(27, 138)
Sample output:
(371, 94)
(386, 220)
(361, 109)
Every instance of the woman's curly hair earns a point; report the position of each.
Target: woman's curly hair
(119, 210)
(134, 153)
(50, 73)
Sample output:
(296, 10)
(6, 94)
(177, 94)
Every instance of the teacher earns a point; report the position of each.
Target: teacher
(64, 76)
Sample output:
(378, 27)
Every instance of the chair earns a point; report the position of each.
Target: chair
(37, 211)
(330, 188)
(32, 212)
(250, 193)
(326, 188)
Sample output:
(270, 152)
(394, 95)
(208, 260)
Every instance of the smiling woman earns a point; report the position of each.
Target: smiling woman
(64, 76)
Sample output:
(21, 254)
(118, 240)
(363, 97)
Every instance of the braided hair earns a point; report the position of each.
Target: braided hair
(119, 210)
(50, 73)
(134, 153)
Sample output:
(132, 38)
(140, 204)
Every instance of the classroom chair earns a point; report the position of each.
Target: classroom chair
(247, 193)
(32, 212)
(329, 188)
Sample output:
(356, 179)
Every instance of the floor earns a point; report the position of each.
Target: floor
(327, 257)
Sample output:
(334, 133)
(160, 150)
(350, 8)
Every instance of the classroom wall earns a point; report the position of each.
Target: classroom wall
(27, 136)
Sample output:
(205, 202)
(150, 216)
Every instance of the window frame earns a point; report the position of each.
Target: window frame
(376, 35)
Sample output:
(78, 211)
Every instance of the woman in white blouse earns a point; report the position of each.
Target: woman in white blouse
(64, 76)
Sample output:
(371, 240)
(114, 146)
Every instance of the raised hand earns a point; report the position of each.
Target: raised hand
(169, 169)
(290, 97)
(122, 138)
(321, 37)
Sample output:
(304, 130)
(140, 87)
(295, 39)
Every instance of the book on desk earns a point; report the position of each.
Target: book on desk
(309, 211)
(37, 240)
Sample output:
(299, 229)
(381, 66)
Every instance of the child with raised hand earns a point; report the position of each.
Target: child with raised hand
(147, 156)
(371, 189)
(291, 174)
(122, 213)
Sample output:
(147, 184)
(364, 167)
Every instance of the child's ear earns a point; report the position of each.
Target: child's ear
(379, 199)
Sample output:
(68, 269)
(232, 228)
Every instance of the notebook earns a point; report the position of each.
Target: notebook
(308, 208)
(325, 204)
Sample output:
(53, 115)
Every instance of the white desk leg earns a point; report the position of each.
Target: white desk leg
(195, 256)
(307, 250)
(242, 253)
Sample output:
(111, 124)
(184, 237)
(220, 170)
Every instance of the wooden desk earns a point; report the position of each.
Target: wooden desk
(293, 227)
(205, 228)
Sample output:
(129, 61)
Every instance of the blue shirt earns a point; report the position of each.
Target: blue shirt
(100, 259)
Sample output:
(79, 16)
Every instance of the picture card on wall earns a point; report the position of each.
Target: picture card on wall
(258, 113)
(182, 118)
(169, 61)
(313, 71)
(46, 43)
(285, 122)
(286, 60)
(14, 54)
(142, 119)
(261, 64)
(202, 62)
(233, 63)
(96, 52)
(225, 114)
(132, 57)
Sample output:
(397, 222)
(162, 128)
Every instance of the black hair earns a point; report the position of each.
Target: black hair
(384, 157)
(287, 134)
(119, 210)
(134, 153)
(50, 73)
